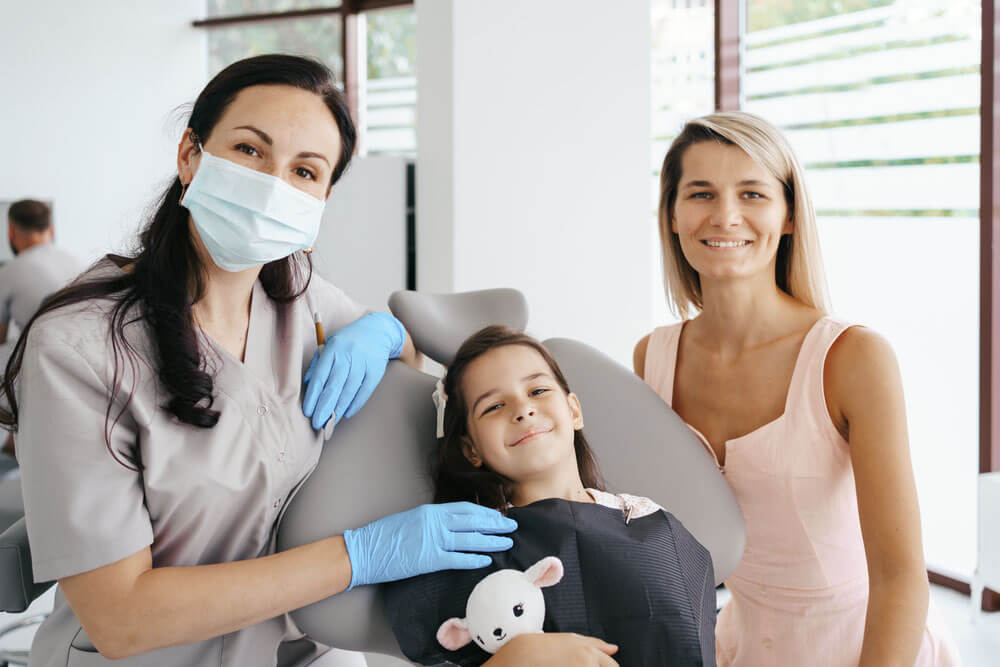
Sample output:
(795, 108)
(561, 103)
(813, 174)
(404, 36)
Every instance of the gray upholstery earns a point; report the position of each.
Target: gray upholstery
(17, 584)
(380, 461)
(644, 448)
(438, 323)
(11, 502)
(376, 463)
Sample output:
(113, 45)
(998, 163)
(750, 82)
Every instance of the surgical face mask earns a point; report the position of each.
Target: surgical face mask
(246, 218)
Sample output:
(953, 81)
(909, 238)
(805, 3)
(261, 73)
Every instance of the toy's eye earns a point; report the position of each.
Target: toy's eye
(480, 640)
(518, 610)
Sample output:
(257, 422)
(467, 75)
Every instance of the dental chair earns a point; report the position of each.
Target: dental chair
(380, 462)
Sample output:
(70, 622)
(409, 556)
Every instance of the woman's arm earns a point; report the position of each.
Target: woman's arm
(553, 650)
(639, 356)
(130, 607)
(411, 355)
(865, 399)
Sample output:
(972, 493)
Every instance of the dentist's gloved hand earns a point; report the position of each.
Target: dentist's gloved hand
(342, 376)
(426, 539)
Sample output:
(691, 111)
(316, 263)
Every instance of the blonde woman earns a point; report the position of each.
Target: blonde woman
(803, 412)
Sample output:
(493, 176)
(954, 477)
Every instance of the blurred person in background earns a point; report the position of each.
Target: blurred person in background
(39, 268)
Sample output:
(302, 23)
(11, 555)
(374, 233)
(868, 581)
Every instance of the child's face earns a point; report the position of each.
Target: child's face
(520, 421)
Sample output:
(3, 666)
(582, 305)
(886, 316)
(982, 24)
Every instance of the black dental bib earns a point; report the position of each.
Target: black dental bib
(646, 585)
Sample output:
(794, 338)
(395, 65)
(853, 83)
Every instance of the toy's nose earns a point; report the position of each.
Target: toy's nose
(497, 632)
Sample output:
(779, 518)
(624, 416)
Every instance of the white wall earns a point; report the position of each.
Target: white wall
(533, 151)
(88, 91)
(361, 247)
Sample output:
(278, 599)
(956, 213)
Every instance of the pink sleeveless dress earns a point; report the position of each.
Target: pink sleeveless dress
(800, 592)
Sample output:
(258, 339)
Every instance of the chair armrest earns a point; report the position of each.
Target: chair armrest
(17, 584)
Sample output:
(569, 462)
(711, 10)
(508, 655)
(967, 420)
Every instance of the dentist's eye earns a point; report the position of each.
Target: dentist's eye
(518, 610)
(248, 149)
(305, 173)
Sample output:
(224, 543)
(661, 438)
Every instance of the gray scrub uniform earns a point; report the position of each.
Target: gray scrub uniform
(32, 275)
(27, 280)
(203, 496)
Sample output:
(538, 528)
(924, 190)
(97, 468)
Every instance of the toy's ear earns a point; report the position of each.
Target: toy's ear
(453, 634)
(546, 572)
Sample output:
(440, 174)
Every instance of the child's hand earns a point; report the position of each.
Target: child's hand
(552, 649)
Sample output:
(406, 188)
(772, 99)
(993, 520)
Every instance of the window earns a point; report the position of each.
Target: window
(880, 100)
(391, 81)
(682, 72)
(316, 36)
(381, 74)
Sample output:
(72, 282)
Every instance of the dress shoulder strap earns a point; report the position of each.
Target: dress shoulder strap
(661, 360)
(806, 394)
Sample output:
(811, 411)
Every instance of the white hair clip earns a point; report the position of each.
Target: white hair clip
(440, 400)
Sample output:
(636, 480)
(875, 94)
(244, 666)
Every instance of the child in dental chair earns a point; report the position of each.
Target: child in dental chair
(511, 438)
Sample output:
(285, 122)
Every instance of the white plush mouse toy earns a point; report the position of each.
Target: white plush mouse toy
(503, 605)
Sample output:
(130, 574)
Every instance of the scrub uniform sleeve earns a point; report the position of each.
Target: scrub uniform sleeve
(83, 508)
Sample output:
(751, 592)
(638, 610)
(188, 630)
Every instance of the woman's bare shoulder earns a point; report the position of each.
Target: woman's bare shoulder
(859, 367)
(857, 349)
(639, 355)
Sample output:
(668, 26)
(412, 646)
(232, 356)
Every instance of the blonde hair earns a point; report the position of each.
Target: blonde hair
(799, 269)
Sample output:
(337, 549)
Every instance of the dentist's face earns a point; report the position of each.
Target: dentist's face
(278, 130)
(730, 212)
(521, 423)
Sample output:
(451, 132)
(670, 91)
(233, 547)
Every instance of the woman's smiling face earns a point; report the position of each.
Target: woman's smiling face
(520, 422)
(730, 212)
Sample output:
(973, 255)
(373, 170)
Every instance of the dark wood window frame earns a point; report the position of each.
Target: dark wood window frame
(989, 249)
(728, 44)
(350, 34)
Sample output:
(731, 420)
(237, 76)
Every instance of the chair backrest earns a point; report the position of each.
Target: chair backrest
(17, 582)
(380, 461)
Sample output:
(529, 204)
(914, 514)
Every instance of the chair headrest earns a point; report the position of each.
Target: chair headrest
(439, 323)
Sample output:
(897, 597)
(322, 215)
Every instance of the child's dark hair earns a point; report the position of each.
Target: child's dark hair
(457, 479)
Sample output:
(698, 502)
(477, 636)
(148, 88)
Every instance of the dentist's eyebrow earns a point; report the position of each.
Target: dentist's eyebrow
(311, 154)
(260, 133)
(267, 140)
(527, 378)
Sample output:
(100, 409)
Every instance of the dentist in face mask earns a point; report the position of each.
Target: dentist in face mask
(159, 400)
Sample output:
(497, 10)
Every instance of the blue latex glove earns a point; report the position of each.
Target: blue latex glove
(343, 375)
(426, 539)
